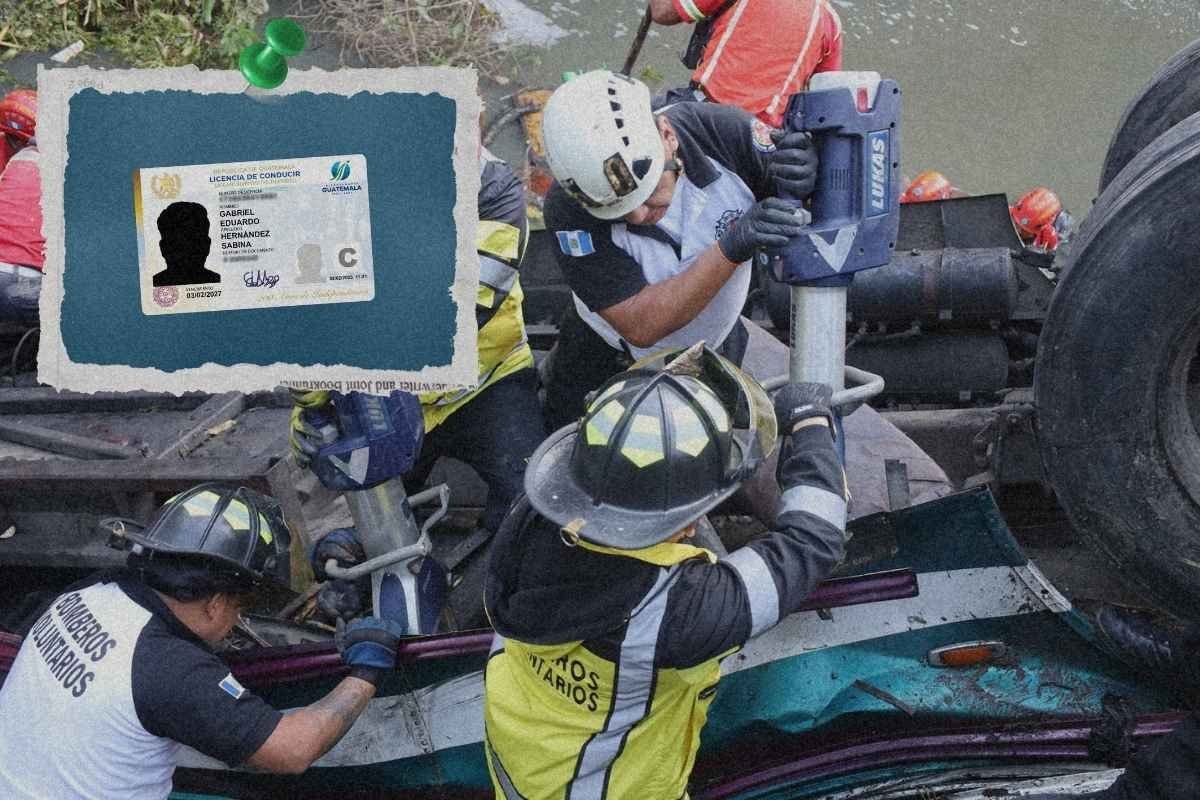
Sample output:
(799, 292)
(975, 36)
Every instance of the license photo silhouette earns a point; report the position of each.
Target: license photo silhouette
(184, 243)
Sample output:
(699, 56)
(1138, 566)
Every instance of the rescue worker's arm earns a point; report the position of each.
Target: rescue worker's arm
(713, 608)
(831, 37)
(501, 236)
(184, 692)
(660, 309)
(669, 12)
(369, 648)
(305, 735)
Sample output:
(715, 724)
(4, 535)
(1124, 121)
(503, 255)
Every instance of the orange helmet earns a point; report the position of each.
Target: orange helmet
(18, 114)
(927, 186)
(1035, 210)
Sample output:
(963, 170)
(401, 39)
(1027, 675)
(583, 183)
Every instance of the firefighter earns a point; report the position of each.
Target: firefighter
(1040, 219)
(610, 626)
(119, 671)
(929, 186)
(657, 217)
(22, 245)
(493, 427)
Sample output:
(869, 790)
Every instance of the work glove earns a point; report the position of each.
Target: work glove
(768, 223)
(341, 544)
(341, 600)
(792, 167)
(312, 425)
(797, 402)
(368, 646)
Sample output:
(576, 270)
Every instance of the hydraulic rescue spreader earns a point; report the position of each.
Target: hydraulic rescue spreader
(854, 120)
(379, 439)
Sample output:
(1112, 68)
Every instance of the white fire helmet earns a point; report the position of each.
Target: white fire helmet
(602, 143)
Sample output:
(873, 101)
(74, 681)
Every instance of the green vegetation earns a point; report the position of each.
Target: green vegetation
(398, 33)
(211, 33)
(141, 33)
(652, 77)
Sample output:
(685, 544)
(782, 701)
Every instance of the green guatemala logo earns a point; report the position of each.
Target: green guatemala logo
(340, 170)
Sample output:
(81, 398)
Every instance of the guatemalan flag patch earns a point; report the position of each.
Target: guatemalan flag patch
(575, 243)
(231, 686)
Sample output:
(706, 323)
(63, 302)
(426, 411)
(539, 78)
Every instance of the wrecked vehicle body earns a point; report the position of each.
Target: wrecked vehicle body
(832, 699)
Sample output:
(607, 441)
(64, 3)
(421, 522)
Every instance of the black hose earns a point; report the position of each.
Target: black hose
(494, 127)
(16, 354)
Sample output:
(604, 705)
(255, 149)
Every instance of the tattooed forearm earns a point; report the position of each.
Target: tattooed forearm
(306, 734)
(338, 710)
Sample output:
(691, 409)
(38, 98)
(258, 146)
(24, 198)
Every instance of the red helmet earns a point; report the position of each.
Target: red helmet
(927, 186)
(1035, 210)
(18, 114)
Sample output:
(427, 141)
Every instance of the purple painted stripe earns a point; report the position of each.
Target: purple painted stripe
(894, 584)
(9, 644)
(1066, 741)
(266, 666)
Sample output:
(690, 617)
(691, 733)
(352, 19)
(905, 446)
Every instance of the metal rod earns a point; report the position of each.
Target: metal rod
(217, 409)
(443, 495)
(421, 548)
(866, 385)
(428, 495)
(63, 443)
(818, 352)
(639, 38)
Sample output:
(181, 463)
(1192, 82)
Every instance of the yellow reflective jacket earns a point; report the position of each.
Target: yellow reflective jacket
(605, 661)
(606, 724)
(500, 239)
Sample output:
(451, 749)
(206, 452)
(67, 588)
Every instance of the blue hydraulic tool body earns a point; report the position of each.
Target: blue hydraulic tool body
(379, 439)
(854, 121)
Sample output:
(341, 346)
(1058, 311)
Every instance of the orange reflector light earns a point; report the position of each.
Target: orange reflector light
(966, 654)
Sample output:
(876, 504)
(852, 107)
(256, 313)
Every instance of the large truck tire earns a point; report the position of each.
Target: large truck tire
(1172, 95)
(1118, 379)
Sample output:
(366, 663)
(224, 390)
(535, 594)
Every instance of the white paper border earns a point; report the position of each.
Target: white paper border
(55, 89)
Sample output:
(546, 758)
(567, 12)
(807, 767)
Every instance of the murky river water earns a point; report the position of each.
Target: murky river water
(1000, 95)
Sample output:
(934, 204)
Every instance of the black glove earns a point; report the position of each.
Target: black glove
(341, 544)
(800, 401)
(792, 168)
(344, 600)
(767, 223)
(368, 646)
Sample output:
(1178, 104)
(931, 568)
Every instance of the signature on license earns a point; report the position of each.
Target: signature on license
(260, 278)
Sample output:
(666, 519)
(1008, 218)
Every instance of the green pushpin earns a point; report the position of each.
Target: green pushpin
(264, 64)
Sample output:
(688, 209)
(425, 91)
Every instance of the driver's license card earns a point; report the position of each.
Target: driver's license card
(254, 234)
